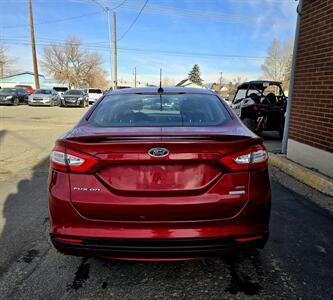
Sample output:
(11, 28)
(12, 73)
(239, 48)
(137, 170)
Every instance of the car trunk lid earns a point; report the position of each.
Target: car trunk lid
(130, 184)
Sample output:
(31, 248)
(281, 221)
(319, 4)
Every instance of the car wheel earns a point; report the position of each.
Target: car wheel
(249, 123)
(82, 104)
(16, 102)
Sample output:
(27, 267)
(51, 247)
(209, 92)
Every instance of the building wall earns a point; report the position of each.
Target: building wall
(312, 104)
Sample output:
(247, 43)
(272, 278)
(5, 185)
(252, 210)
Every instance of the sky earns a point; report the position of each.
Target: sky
(228, 36)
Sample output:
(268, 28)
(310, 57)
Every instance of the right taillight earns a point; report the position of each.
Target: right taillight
(252, 158)
(68, 160)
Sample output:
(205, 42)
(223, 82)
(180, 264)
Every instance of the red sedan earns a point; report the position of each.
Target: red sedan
(163, 174)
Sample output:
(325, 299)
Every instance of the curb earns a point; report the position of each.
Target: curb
(313, 179)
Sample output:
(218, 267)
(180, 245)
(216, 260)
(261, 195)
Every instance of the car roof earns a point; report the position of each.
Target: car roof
(154, 90)
(259, 84)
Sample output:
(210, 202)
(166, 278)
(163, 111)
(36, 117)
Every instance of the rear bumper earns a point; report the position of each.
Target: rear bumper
(157, 249)
(75, 234)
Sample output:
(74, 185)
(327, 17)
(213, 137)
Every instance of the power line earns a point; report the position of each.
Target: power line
(55, 21)
(94, 46)
(66, 19)
(134, 21)
(160, 9)
(119, 5)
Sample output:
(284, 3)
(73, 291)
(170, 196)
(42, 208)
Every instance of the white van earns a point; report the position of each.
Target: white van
(94, 94)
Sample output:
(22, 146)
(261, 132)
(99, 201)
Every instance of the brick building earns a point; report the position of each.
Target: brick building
(310, 140)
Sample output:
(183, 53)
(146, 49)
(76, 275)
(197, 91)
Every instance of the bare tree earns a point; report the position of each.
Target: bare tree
(277, 65)
(231, 87)
(73, 65)
(5, 62)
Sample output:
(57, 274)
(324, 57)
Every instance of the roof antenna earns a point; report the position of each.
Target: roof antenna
(160, 89)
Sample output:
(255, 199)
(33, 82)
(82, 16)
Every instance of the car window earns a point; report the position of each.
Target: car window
(95, 91)
(153, 110)
(60, 89)
(8, 90)
(44, 92)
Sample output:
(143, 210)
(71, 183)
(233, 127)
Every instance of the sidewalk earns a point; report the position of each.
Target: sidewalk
(309, 177)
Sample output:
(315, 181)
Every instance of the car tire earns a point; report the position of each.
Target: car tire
(15, 102)
(249, 123)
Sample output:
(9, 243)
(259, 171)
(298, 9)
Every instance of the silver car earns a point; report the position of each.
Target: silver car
(44, 97)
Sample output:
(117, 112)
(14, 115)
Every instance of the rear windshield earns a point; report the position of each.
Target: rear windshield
(95, 91)
(74, 92)
(153, 110)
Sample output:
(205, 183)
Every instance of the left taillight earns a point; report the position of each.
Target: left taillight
(68, 160)
(252, 158)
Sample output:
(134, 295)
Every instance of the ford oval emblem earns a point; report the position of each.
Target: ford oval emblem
(158, 152)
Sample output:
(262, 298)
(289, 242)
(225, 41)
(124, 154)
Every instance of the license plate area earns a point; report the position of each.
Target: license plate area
(159, 177)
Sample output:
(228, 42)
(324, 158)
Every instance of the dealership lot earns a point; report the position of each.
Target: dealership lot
(296, 264)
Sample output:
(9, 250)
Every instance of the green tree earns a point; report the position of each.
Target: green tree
(194, 75)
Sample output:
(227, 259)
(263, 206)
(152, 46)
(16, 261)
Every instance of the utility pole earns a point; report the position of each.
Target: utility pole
(33, 45)
(115, 49)
(135, 77)
(110, 44)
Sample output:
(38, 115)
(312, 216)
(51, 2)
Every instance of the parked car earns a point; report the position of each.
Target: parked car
(129, 182)
(28, 88)
(44, 97)
(60, 89)
(13, 96)
(261, 105)
(94, 94)
(75, 98)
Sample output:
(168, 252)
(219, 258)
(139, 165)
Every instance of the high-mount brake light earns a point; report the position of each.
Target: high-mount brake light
(252, 158)
(62, 159)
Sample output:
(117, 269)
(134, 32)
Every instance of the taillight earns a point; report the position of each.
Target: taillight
(68, 160)
(252, 158)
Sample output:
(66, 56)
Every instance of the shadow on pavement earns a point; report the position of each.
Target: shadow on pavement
(24, 215)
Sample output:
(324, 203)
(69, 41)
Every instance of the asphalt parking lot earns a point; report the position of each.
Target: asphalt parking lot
(296, 263)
